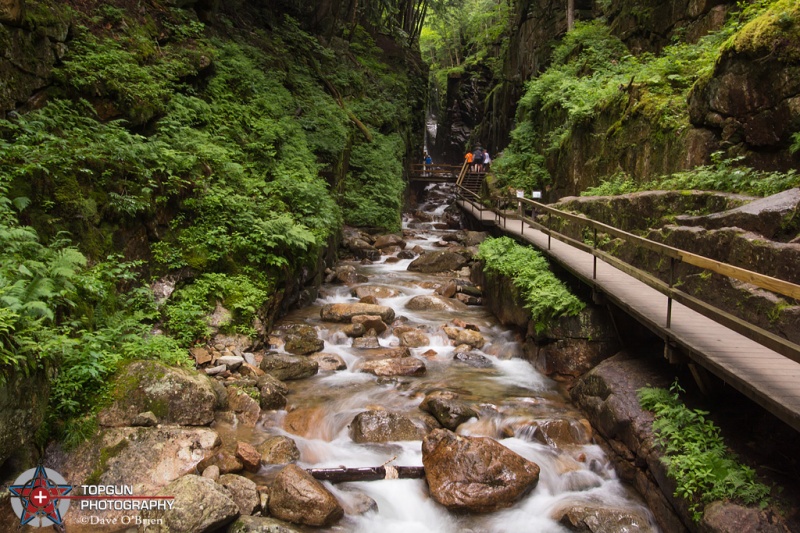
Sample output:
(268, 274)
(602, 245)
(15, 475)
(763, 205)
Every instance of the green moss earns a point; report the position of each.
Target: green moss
(775, 33)
(106, 454)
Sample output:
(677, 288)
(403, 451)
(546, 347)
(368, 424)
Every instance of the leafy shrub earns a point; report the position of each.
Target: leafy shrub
(696, 456)
(544, 294)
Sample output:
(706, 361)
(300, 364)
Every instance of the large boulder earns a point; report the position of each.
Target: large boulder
(346, 312)
(247, 408)
(405, 366)
(301, 339)
(438, 261)
(297, 497)
(383, 426)
(476, 474)
(328, 362)
(174, 395)
(288, 367)
(200, 505)
(414, 338)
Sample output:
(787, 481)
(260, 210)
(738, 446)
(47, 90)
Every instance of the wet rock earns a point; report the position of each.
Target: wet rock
(584, 518)
(368, 342)
(200, 505)
(406, 366)
(246, 407)
(369, 300)
(438, 261)
(249, 370)
(278, 450)
(306, 422)
(243, 492)
(361, 249)
(347, 274)
(466, 299)
(378, 291)
(211, 472)
(383, 426)
(406, 254)
(465, 336)
(370, 322)
(328, 362)
(273, 383)
(224, 460)
(386, 241)
(288, 367)
(357, 503)
(385, 353)
(299, 498)
(431, 302)
(557, 432)
(346, 312)
(450, 413)
(354, 330)
(474, 360)
(475, 474)
(301, 339)
(414, 339)
(174, 395)
(260, 524)
(249, 456)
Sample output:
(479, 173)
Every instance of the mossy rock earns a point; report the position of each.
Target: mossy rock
(174, 395)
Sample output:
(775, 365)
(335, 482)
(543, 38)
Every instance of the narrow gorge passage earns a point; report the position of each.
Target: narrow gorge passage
(515, 404)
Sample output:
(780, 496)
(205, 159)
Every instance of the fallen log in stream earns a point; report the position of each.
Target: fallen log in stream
(367, 473)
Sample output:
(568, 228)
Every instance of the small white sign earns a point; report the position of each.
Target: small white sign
(520, 193)
(536, 195)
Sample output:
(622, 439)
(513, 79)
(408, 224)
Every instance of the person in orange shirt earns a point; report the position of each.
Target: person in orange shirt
(468, 158)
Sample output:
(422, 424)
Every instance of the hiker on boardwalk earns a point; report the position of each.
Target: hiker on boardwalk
(468, 159)
(486, 161)
(477, 159)
(426, 165)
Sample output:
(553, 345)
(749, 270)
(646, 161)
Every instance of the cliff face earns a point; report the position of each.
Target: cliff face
(747, 106)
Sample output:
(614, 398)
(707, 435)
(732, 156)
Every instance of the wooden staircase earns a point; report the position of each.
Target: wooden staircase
(471, 181)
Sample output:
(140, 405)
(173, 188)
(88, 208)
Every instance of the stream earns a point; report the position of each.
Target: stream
(510, 396)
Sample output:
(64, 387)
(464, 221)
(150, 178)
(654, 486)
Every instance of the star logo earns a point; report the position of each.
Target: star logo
(37, 497)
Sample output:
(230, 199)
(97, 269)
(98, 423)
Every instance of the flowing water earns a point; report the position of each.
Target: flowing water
(511, 396)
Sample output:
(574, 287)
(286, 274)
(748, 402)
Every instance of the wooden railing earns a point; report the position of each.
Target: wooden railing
(675, 255)
(433, 172)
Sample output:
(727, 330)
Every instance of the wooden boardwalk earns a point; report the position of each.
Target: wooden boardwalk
(765, 376)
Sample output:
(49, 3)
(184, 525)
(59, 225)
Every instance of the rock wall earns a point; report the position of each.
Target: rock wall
(23, 404)
(33, 41)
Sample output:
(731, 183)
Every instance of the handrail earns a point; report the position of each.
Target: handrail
(462, 175)
(776, 343)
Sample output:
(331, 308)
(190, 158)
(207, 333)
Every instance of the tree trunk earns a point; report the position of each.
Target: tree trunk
(570, 14)
(367, 473)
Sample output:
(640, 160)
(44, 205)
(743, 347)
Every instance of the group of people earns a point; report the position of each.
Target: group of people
(479, 160)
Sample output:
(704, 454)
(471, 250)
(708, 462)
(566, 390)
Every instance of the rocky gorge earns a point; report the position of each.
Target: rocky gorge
(396, 367)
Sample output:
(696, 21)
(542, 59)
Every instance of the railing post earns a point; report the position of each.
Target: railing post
(549, 231)
(669, 296)
(594, 255)
(521, 214)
